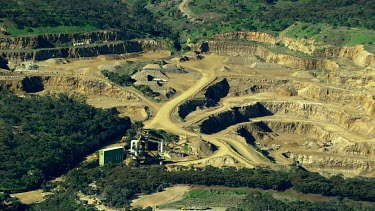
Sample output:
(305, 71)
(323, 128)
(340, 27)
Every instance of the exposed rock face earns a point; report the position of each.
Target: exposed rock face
(358, 54)
(243, 86)
(3, 63)
(233, 48)
(363, 101)
(329, 94)
(356, 123)
(82, 51)
(189, 106)
(303, 45)
(334, 156)
(323, 163)
(66, 84)
(87, 87)
(220, 121)
(33, 84)
(253, 131)
(15, 85)
(254, 36)
(220, 161)
(217, 91)
(212, 95)
(51, 40)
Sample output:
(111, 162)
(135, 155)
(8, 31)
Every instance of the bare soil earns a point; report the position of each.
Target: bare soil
(169, 195)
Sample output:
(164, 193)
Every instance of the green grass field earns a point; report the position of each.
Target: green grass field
(327, 34)
(210, 197)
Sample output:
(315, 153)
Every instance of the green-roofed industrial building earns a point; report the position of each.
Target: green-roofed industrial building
(111, 155)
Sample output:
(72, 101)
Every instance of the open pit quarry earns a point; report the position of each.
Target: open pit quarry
(256, 105)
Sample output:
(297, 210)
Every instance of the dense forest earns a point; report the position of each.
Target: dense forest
(140, 18)
(130, 16)
(42, 137)
(276, 15)
(119, 185)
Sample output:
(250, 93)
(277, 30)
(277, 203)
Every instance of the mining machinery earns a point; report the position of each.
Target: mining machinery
(140, 148)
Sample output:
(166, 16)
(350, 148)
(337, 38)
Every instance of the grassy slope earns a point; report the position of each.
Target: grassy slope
(328, 34)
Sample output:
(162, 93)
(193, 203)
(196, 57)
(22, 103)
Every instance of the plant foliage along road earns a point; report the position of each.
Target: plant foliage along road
(42, 137)
(119, 185)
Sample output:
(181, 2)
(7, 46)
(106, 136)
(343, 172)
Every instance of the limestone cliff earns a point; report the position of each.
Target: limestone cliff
(236, 48)
(356, 53)
(253, 36)
(53, 40)
(222, 120)
(66, 84)
(336, 164)
(212, 95)
(354, 122)
(83, 51)
(305, 46)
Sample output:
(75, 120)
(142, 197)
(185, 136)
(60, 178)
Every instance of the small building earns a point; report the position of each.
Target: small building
(111, 155)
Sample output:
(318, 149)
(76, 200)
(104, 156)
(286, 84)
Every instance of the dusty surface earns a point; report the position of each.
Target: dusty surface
(169, 195)
(318, 113)
(30, 196)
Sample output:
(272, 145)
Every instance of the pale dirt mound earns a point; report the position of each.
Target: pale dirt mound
(170, 195)
(173, 68)
(135, 113)
(201, 147)
(241, 60)
(284, 91)
(303, 74)
(152, 67)
(224, 69)
(221, 161)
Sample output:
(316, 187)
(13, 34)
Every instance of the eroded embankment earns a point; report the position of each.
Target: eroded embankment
(360, 124)
(69, 84)
(236, 48)
(53, 40)
(93, 50)
(235, 115)
(284, 87)
(338, 143)
(356, 53)
(211, 96)
(331, 149)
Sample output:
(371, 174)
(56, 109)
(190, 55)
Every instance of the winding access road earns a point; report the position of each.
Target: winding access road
(163, 120)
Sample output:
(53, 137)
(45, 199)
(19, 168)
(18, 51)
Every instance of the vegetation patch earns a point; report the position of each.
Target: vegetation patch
(210, 197)
(328, 34)
(43, 137)
(32, 16)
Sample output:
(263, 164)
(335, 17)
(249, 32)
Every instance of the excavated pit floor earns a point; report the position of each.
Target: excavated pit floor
(337, 107)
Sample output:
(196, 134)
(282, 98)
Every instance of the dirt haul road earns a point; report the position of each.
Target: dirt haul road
(164, 121)
(184, 8)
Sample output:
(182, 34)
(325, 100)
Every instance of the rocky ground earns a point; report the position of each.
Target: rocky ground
(253, 104)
